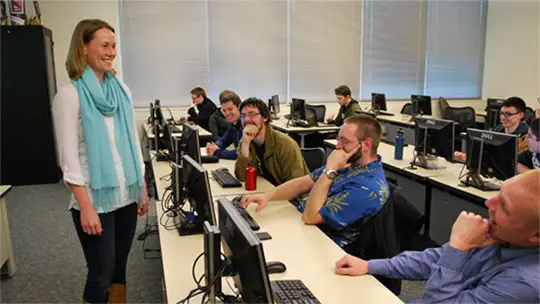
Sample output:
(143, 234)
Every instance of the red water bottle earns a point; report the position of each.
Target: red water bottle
(251, 178)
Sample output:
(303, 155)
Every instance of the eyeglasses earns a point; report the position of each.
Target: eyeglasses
(249, 114)
(508, 114)
(344, 140)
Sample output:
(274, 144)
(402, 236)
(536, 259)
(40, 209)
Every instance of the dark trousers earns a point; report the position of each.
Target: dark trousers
(106, 255)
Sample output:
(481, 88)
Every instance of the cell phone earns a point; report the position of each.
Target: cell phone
(263, 236)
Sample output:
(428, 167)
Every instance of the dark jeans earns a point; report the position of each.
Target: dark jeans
(106, 255)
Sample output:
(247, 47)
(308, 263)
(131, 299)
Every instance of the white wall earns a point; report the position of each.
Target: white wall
(62, 17)
(512, 57)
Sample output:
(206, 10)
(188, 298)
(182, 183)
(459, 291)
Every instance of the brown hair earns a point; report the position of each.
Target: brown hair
(368, 127)
(82, 35)
(198, 91)
(259, 104)
(343, 90)
(227, 96)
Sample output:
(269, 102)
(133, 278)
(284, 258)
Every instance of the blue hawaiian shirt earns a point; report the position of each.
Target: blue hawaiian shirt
(355, 193)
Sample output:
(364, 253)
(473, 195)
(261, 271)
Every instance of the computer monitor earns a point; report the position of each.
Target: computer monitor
(152, 117)
(298, 109)
(245, 252)
(167, 140)
(190, 142)
(433, 137)
(490, 155)
(196, 191)
(378, 102)
(212, 260)
(157, 112)
(274, 104)
(493, 108)
(421, 104)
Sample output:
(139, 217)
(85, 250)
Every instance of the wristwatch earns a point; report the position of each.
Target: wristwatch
(330, 173)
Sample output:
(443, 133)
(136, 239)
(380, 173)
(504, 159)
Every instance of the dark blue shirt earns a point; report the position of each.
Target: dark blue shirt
(355, 193)
(231, 136)
(493, 274)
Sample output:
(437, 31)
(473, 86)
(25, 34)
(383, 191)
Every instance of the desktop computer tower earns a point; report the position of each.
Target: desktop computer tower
(28, 86)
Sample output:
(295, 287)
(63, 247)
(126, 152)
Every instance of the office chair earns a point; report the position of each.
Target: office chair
(529, 116)
(407, 109)
(314, 157)
(465, 117)
(320, 111)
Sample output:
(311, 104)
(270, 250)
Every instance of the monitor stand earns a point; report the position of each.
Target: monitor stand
(427, 161)
(477, 181)
(186, 227)
(274, 116)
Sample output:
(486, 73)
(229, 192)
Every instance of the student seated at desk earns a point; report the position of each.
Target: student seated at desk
(218, 124)
(350, 187)
(486, 261)
(348, 106)
(205, 107)
(530, 159)
(274, 155)
(229, 105)
(512, 112)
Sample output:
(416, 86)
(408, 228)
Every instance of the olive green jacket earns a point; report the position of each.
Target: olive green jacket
(346, 111)
(282, 158)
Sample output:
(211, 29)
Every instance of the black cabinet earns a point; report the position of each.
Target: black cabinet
(28, 86)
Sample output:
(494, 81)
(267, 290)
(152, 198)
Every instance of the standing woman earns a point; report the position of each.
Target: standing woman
(100, 156)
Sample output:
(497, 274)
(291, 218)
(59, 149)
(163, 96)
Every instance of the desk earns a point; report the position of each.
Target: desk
(6, 250)
(202, 132)
(311, 260)
(281, 125)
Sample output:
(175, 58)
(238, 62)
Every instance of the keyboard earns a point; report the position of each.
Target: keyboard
(243, 213)
(225, 178)
(175, 129)
(209, 159)
(385, 114)
(292, 291)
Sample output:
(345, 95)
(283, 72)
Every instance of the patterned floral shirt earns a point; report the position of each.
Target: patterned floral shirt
(355, 193)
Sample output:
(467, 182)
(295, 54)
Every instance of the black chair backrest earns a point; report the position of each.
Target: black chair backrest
(464, 116)
(320, 111)
(314, 157)
(407, 109)
(529, 116)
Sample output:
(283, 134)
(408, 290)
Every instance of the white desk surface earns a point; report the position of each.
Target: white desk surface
(4, 189)
(281, 124)
(306, 251)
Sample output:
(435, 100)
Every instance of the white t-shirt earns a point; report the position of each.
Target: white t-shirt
(71, 146)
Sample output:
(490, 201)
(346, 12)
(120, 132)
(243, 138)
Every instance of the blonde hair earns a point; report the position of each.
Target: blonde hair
(82, 35)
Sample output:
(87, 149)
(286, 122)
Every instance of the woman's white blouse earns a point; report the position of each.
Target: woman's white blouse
(71, 146)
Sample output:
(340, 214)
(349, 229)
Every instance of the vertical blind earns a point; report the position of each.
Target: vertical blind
(455, 48)
(324, 48)
(302, 49)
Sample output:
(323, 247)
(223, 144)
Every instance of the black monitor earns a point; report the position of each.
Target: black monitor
(433, 137)
(245, 252)
(421, 104)
(378, 102)
(152, 117)
(493, 108)
(490, 155)
(157, 112)
(190, 142)
(196, 191)
(298, 109)
(167, 139)
(273, 104)
(212, 260)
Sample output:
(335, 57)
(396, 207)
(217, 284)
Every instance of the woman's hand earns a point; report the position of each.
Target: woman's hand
(90, 221)
(142, 207)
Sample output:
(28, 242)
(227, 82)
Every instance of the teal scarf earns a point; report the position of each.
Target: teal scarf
(96, 101)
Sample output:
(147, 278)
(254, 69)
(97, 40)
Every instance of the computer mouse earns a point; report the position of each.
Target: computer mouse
(275, 267)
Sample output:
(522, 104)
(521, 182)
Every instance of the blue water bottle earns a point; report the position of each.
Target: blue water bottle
(400, 141)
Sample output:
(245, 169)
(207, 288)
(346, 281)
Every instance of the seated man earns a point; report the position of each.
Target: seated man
(350, 187)
(218, 124)
(512, 111)
(530, 159)
(273, 154)
(486, 261)
(205, 107)
(348, 106)
(229, 106)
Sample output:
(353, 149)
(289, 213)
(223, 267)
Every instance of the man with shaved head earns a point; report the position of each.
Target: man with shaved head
(487, 261)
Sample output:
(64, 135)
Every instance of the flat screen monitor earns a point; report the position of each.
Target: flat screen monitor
(493, 108)
(434, 137)
(212, 260)
(197, 192)
(274, 104)
(152, 117)
(421, 104)
(378, 102)
(190, 142)
(298, 109)
(245, 252)
(491, 154)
